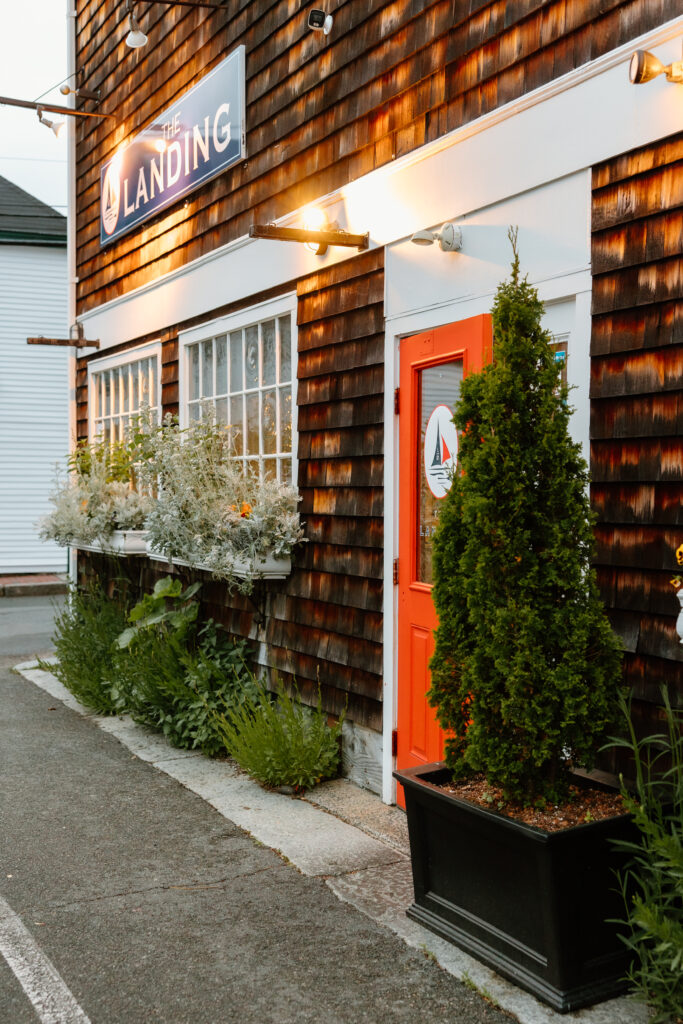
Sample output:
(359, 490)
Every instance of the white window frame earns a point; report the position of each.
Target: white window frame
(269, 310)
(111, 362)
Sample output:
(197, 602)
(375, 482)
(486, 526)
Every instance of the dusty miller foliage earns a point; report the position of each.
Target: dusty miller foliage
(208, 511)
(95, 496)
(526, 669)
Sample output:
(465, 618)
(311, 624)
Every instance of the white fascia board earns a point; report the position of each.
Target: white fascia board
(571, 124)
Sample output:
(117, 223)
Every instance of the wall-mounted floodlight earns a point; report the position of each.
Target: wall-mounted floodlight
(55, 126)
(320, 22)
(449, 238)
(644, 66)
(136, 37)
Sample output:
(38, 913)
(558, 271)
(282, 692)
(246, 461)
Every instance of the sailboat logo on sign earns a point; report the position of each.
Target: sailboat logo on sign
(440, 451)
(111, 198)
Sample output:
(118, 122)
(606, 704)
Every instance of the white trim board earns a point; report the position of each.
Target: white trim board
(551, 132)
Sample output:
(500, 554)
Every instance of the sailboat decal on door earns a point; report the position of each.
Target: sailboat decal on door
(440, 455)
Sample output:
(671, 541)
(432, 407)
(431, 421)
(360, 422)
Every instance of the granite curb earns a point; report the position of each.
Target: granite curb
(33, 586)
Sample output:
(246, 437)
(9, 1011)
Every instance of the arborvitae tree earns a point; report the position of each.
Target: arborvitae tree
(526, 669)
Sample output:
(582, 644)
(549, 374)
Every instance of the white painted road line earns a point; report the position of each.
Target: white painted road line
(37, 975)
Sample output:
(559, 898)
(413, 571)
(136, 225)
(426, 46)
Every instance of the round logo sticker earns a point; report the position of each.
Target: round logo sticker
(111, 197)
(440, 451)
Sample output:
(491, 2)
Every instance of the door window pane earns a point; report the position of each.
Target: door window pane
(439, 389)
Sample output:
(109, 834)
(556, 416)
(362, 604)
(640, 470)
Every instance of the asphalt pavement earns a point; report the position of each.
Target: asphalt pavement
(125, 897)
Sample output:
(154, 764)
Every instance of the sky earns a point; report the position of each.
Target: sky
(33, 61)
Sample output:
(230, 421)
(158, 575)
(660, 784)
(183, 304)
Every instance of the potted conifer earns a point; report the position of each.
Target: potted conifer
(525, 680)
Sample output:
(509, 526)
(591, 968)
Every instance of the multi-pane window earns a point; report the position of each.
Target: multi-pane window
(245, 373)
(119, 389)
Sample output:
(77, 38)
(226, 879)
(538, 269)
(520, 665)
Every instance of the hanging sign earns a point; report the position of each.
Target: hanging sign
(193, 140)
(440, 451)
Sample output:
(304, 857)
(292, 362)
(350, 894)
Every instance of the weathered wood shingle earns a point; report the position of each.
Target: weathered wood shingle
(637, 408)
(321, 111)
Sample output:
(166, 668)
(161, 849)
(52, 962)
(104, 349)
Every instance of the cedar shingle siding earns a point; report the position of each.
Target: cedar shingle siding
(321, 111)
(637, 406)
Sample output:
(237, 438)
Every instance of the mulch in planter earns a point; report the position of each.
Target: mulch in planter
(585, 804)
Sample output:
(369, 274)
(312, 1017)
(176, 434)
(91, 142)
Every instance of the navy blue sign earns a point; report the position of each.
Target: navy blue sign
(189, 143)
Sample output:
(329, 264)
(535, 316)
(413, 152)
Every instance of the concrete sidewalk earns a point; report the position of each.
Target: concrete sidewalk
(349, 839)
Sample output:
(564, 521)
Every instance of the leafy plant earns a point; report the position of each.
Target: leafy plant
(209, 510)
(653, 884)
(174, 676)
(97, 495)
(526, 669)
(85, 630)
(280, 741)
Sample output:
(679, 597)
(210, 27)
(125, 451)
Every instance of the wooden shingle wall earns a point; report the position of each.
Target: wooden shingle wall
(323, 623)
(321, 111)
(637, 407)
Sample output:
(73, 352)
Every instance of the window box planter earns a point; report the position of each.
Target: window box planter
(269, 567)
(120, 542)
(533, 905)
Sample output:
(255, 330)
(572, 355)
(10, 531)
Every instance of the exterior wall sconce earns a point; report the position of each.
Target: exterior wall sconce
(136, 37)
(331, 235)
(449, 238)
(644, 66)
(55, 126)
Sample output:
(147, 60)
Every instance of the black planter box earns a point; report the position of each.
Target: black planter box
(531, 904)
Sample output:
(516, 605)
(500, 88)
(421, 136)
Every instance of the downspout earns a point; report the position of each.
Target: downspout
(71, 243)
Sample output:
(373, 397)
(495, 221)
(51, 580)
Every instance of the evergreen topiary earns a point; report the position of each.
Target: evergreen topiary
(525, 673)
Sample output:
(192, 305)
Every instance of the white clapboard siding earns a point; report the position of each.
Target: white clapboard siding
(34, 409)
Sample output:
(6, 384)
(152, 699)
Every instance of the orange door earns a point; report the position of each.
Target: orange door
(432, 365)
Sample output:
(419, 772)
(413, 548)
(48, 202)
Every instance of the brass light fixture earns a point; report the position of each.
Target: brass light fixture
(644, 66)
(321, 239)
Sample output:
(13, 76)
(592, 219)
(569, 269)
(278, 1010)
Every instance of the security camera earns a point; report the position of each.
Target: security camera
(320, 22)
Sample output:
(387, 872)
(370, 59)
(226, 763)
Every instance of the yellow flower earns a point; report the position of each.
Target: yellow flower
(246, 509)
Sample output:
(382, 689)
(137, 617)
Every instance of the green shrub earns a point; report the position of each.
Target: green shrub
(526, 669)
(280, 741)
(174, 676)
(85, 630)
(653, 885)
